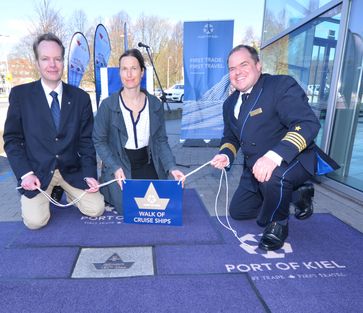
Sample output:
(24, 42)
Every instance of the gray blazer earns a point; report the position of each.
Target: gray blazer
(110, 137)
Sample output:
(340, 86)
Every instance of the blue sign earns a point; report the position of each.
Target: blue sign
(206, 81)
(153, 202)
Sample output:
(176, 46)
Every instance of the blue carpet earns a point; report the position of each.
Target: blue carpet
(37, 263)
(319, 268)
(68, 227)
(198, 267)
(179, 294)
(8, 231)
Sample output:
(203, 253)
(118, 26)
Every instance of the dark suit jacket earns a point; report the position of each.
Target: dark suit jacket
(277, 117)
(32, 143)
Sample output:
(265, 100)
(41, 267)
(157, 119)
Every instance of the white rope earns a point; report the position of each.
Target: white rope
(76, 200)
(223, 174)
(229, 227)
(197, 169)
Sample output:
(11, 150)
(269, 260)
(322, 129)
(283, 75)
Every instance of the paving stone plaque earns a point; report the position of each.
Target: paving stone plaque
(114, 262)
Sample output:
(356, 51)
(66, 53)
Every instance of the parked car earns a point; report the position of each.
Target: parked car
(175, 93)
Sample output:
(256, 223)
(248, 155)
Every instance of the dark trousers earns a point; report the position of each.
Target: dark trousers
(141, 167)
(268, 201)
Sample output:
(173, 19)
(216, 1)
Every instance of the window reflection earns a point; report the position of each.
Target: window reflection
(281, 14)
(346, 144)
(307, 54)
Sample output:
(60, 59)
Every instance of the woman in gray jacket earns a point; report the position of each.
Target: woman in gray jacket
(129, 133)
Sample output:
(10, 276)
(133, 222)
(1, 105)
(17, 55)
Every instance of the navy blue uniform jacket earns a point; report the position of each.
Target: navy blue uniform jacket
(32, 143)
(277, 117)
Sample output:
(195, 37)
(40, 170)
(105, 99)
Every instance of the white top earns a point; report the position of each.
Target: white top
(58, 90)
(138, 131)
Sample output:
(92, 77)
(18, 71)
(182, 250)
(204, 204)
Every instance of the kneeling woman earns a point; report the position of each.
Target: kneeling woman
(129, 133)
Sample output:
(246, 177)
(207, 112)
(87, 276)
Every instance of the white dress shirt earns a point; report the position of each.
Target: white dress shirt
(58, 90)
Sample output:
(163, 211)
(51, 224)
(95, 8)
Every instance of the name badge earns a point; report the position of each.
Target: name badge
(255, 112)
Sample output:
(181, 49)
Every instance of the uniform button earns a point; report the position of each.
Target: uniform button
(242, 143)
(253, 143)
(56, 139)
(246, 156)
(52, 172)
(57, 156)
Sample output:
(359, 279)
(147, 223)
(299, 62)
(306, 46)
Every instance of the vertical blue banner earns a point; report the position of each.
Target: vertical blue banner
(153, 202)
(78, 58)
(111, 81)
(206, 82)
(102, 52)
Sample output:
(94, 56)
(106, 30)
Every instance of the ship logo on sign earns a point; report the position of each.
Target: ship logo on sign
(151, 200)
(114, 262)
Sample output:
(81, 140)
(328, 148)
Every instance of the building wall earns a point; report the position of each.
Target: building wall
(21, 70)
(320, 44)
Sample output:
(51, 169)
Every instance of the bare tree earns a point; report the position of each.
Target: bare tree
(47, 19)
(77, 22)
(117, 35)
(176, 52)
(164, 38)
(170, 60)
(250, 38)
(153, 31)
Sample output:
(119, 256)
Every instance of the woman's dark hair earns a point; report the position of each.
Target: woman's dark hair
(251, 50)
(47, 37)
(134, 53)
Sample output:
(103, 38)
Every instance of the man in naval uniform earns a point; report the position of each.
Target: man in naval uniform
(269, 118)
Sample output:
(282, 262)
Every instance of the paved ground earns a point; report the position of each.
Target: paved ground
(205, 181)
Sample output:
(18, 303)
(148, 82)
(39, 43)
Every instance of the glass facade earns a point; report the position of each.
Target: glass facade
(347, 137)
(281, 14)
(307, 53)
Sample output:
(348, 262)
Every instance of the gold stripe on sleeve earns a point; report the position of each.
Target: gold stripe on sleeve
(230, 147)
(296, 139)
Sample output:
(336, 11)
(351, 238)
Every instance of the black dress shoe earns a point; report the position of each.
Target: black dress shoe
(303, 201)
(274, 236)
(57, 193)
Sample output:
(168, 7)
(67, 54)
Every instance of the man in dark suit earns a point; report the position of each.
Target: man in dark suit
(270, 119)
(48, 138)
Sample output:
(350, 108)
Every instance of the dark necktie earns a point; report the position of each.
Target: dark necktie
(244, 97)
(55, 108)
